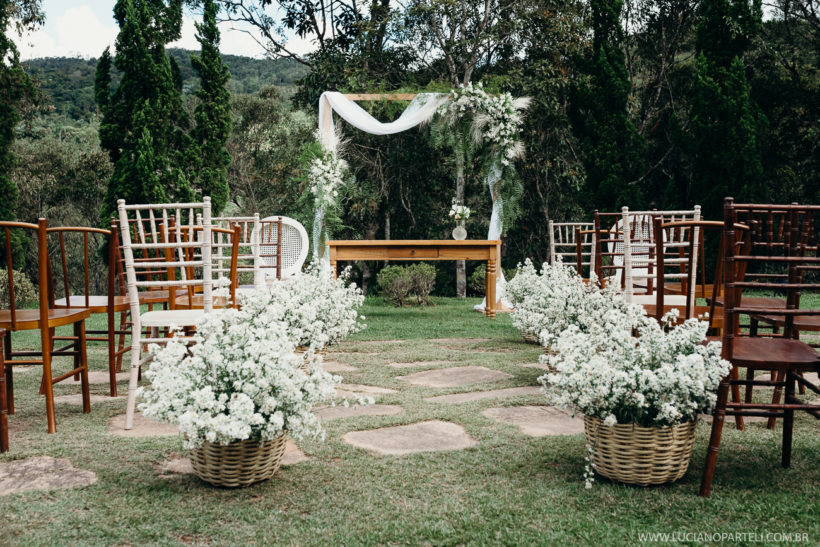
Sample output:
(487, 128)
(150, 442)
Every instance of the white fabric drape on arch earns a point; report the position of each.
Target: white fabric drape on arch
(420, 110)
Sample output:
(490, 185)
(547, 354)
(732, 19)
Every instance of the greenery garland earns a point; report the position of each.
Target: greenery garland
(495, 127)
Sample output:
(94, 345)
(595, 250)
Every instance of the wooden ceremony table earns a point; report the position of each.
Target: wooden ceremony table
(488, 251)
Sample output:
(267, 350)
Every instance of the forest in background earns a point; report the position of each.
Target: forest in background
(696, 101)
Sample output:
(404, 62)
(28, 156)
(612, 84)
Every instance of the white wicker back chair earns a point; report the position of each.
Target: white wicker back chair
(563, 243)
(187, 265)
(294, 245)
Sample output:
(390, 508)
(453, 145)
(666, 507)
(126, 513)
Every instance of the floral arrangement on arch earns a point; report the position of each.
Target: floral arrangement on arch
(239, 380)
(317, 308)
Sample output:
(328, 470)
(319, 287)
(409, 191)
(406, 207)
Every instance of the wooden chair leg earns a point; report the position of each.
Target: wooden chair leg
(112, 365)
(48, 387)
(76, 349)
(736, 399)
(4, 412)
(714, 439)
(9, 373)
(788, 421)
(83, 360)
(750, 375)
(121, 342)
(778, 391)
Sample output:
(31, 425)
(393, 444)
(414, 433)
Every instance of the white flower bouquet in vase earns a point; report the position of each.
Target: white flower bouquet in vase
(459, 213)
(236, 393)
(640, 387)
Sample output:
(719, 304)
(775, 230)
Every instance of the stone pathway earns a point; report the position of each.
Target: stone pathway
(417, 364)
(143, 427)
(479, 395)
(429, 436)
(455, 376)
(334, 412)
(538, 421)
(41, 473)
(336, 366)
(77, 399)
(101, 377)
(354, 391)
(458, 340)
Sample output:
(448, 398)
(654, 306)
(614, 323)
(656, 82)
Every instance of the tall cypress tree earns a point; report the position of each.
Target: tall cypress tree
(15, 86)
(143, 119)
(213, 114)
(612, 147)
(725, 123)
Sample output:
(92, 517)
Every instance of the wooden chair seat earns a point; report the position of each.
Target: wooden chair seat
(185, 303)
(153, 297)
(96, 303)
(756, 302)
(773, 353)
(168, 318)
(30, 319)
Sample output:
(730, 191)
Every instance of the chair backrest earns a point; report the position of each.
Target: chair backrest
(268, 248)
(249, 225)
(225, 244)
(692, 232)
(632, 258)
(7, 231)
(564, 242)
(188, 261)
(793, 251)
(295, 245)
(82, 271)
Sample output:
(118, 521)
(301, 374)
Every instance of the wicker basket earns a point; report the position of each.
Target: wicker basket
(240, 463)
(530, 338)
(640, 455)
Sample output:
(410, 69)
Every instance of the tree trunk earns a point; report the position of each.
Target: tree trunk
(461, 266)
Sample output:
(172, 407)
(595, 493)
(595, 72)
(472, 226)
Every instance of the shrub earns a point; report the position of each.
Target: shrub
(423, 277)
(399, 283)
(24, 290)
(477, 280)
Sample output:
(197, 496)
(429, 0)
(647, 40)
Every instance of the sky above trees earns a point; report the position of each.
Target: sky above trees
(85, 28)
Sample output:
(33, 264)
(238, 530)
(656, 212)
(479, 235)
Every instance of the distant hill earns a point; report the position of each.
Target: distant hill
(69, 82)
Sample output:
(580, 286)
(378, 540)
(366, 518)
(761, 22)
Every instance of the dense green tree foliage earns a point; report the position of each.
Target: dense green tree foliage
(213, 113)
(612, 149)
(724, 140)
(144, 122)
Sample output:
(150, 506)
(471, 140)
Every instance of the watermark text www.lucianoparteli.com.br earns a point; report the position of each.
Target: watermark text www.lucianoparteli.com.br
(682, 536)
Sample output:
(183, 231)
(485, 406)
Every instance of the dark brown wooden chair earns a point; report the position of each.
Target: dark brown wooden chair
(4, 405)
(780, 352)
(45, 319)
(82, 279)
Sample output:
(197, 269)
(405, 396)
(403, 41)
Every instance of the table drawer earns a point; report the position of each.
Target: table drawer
(409, 253)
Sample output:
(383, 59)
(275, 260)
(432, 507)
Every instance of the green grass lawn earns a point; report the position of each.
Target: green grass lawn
(509, 488)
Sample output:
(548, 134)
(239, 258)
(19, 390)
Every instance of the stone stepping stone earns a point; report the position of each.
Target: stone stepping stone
(180, 465)
(42, 473)
(143, 427)
(336, 366)
(101, 377)
(455, 376)
(458, 340)
(479, 395)
(334, 412)
(77, 399)
(417, 364)
(538, 421)
(354, 391)
(429, 436)
(367, 343)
